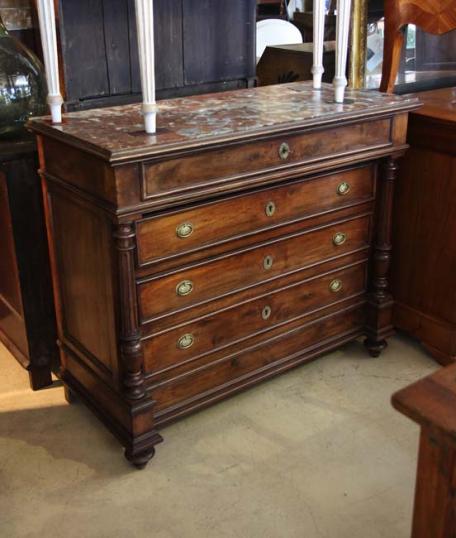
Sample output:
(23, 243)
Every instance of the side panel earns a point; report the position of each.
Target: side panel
(83, 249)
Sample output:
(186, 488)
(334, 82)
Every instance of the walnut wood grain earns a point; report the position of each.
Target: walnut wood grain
(126, 290)
(221, 328)
(425, 228)
(431, 402)
(247, 214)
(246, 268)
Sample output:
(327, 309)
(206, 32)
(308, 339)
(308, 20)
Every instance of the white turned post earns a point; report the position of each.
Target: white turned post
(318, 42)
(146, 47)
(342, 33)
(46, 15)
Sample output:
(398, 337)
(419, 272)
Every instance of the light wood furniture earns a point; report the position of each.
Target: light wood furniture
(249, 235)
(433, 16)
(27, 320)
(425, 227)
(431, 403)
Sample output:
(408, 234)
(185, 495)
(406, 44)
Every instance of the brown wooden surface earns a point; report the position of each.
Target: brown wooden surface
(182, 174)
(246, 214)
(425, 228)
(431, 402)
(27, 322)
(12, 323)
(118, 264)
(433, 16)
(221, 328)
(245, 268)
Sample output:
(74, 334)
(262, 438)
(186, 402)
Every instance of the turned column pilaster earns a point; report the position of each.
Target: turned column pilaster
(130, 343)
(383, 243)
(380, 299)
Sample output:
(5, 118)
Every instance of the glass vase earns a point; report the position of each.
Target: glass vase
(22, 86)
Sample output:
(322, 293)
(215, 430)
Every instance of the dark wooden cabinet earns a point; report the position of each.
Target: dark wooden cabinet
(27, 321)
(200, 47)
(251, 234)
(431, 403)
(425, 227)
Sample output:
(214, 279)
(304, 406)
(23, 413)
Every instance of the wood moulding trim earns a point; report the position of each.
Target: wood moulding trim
(84, 354)
(176, 149)
(357, 301)
(243, 235)
(131, 353)
(261, 244)
(150, 321)
(261, 178)
(116, 428)
(11, 346)
(240, 183)
(251, 336)
(172, 413)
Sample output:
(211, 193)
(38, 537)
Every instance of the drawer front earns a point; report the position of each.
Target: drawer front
(270, 354)
(180, 232)
(212, 332)
(242, 269)
(177, 177)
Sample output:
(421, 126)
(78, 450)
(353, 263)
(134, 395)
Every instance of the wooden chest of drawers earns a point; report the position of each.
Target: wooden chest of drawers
(249, 235)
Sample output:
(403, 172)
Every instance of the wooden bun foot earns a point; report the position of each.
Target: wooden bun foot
(375, 347)
(140, 459)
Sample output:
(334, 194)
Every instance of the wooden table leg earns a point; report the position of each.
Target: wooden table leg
(431, 403)
(434, 512)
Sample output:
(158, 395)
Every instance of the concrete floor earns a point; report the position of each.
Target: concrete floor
(315, 453)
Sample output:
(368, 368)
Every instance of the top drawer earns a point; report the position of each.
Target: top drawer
(181, 232)
(216, 170)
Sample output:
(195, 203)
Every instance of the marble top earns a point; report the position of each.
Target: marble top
(117, 133)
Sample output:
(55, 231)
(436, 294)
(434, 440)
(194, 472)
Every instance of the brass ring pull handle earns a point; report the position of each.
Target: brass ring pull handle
(343, 188)
(184, 288)
(185, 341)
(284, 151)
(339, 239)
(266, 312)
(268, 262)
(335, 286)
(270, 209)
(184, 230)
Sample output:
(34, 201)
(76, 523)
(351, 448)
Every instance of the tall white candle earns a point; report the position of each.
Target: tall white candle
(318, 42)
(46, 15)
(342, 33)
(146, 47)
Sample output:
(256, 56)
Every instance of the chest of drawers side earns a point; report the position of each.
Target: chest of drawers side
(93, 259)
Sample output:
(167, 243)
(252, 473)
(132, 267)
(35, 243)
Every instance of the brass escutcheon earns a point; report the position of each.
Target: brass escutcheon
(270, 209)
(267, 262)
(284, 151)
(184, 288)
(339, 238)
(184, 230)
(266, 312)
(343, 188)
(336, 285)
(185, 341)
